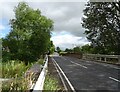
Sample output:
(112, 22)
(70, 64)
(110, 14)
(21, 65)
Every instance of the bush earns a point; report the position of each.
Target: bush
(15, 85)
(14, 68)
(63, 53)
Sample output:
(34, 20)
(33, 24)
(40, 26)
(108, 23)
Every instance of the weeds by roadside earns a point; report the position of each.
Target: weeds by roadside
(51, 84)
(14, 71)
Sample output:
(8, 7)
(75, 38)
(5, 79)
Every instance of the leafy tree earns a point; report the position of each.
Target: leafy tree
(30, 33)
(101, 21)
(76, 49)
(58, 49)
(68, 50)
(87, 49)
(52, 48)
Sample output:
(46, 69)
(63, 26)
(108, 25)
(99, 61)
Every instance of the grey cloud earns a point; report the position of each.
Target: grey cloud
(66, 16)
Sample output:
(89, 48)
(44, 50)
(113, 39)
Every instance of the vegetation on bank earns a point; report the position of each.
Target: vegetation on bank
(27, 42)
(29, 38)
(14, 71)
(14, 68)
(51, 84)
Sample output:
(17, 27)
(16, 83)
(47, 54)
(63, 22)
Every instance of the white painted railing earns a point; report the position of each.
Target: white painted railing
(99, 57)
(40, 82)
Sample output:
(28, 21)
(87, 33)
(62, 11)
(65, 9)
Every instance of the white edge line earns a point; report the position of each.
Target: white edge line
(65, 76)
(60, 76)
(114, 79)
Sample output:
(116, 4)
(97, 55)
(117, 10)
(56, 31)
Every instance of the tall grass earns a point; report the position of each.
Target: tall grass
(15, 85)
(51, 84)
(13, 69)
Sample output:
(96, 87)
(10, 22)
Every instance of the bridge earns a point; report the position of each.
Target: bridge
(92, 73)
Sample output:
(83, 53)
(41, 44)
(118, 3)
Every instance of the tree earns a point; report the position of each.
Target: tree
(101, 21)
(68, 50)
(51, 48)
(58, 49)
(76, 49)
(30, 33)
(88, 49)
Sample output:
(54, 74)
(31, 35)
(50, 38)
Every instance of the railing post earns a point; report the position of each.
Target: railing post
(100, 59)
(105, 59)
(119, 59)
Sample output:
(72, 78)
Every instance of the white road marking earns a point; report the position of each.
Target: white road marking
(114, 79)
(78, 64)
(60, 76)
(64, 58)
(65, 76)
(113, 67)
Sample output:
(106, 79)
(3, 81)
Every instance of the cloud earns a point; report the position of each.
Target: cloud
(1, 27)
(66, 16)
(65, 40)
(7, 10)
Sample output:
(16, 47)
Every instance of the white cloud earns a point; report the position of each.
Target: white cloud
(66, 16)
(68, 40)
(7, 10)
(1, 27)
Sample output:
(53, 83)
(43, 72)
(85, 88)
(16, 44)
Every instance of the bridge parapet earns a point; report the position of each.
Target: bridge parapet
(115, 59)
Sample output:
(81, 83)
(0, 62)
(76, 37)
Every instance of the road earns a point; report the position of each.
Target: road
(89, 75)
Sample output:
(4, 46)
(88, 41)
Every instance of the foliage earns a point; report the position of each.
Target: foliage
(58, 49)
(101, 21)
(63, 53)
(87, 49)
(15, 85)
(77, 49)
(30, 34)
(68, 50)
(52, 48)
(51, 84)
(14, 69)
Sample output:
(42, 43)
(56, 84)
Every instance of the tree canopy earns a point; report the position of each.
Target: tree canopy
(30, 34)
(102, 23)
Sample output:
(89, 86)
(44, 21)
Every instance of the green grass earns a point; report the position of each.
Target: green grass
(15, 71)
(63, 53)
(51, 84)
(15, 85)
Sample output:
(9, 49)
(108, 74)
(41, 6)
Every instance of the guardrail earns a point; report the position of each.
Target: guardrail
(104, 58)
(40, 82)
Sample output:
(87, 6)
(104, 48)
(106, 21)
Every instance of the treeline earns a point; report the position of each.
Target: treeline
(102, 23)
(85, 49)
(81, 49)
(29, 38)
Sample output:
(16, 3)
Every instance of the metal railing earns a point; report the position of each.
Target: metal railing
(40, 82)
(103, 58)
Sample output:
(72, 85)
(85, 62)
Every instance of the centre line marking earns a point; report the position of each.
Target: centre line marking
(114, 79)
(64, 58)
(78, 64)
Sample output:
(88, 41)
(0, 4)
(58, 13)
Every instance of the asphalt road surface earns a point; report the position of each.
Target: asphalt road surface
(89, 75)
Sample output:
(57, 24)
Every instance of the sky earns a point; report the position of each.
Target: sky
(67, 17)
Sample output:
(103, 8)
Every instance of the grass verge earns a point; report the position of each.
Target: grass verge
(51, 84)
(14, 70)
